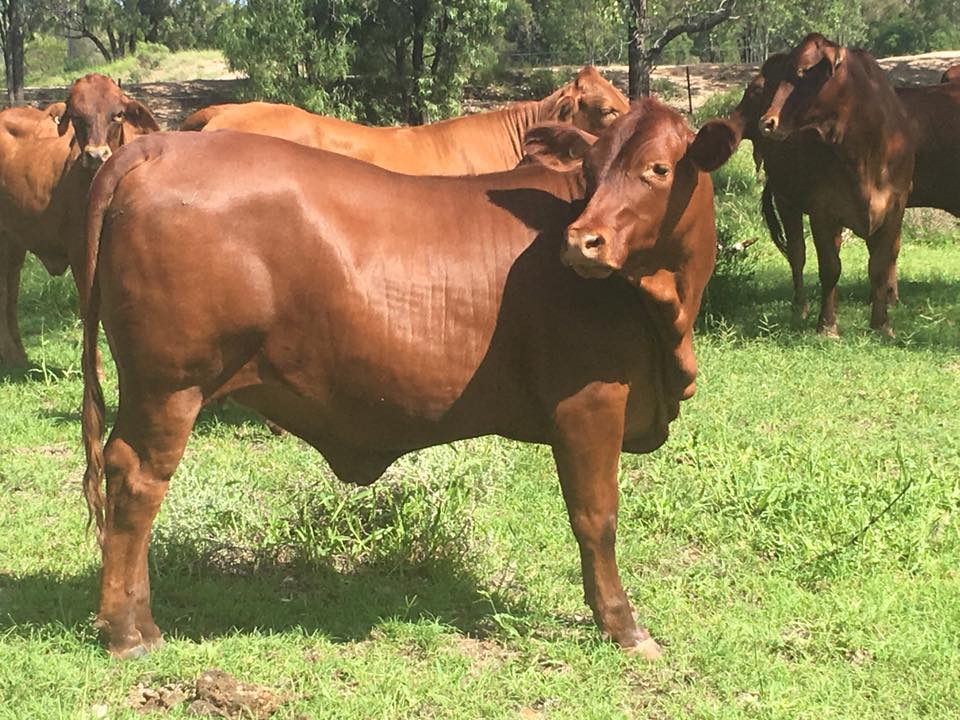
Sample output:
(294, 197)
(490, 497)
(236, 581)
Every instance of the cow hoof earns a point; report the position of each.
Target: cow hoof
(647, 649)
(134, 653)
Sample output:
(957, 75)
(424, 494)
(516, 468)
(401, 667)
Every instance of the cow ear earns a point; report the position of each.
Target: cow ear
(556, 145)
(63, 122)
(55, 111)
(713, 145)
(835, 55)
(137, 114)
(565, 108)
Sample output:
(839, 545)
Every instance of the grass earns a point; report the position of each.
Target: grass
(450, 588)
(151, 63)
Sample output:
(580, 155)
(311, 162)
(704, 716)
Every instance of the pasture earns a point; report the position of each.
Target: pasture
(794, 546)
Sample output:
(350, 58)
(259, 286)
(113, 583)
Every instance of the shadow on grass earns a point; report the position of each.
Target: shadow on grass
(928, 316)
(210, 420)
(35, 373)
(198, 598)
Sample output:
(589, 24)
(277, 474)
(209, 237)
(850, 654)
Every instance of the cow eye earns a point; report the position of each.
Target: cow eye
(118, 117)
(661, 170)
(610, 111)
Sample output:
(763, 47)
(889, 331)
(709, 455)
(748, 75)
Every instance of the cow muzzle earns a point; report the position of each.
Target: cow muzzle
(95, 155)
(587, 252)
(770, 126)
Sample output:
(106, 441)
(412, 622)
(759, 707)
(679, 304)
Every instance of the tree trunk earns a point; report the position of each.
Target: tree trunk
(400, 62)
(13, 52)
(417, 115)
(638, 27)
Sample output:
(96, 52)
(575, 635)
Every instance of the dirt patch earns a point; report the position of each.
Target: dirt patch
(173, 101)
(57, 450)
(215, 694)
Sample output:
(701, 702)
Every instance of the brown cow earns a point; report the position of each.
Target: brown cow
(469, 145)
(43, 188)
(935, 115)
(951, 74)
(372, 314)
(851, 146)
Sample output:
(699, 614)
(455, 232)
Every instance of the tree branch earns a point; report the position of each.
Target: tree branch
(691, 27)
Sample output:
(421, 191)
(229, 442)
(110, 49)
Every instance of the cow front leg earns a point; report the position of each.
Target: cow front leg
(586, 447)
(144, 449)
(12, 353)
(827, 238)
(884, 248)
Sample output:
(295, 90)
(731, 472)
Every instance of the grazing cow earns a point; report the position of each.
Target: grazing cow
(372, 314)
(951, 74)
(469, 145)
(934, 113)
(846, 158)
(43, 187)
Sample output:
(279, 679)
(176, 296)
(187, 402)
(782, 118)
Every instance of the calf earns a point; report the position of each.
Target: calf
(47, 159)
(469, 145)
(934, 116)
(373, 314)
(846, 158)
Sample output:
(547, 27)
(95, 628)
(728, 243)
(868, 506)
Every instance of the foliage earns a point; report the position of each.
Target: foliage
(293, 51)
(410, 58)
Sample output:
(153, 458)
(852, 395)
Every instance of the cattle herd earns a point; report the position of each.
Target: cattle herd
(533, 272)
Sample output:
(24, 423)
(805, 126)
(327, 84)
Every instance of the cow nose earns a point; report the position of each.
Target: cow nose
(96, 155)
(589, 243)
(768, 124)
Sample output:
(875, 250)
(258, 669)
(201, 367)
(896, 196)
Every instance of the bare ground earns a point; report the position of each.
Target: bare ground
(172, 101)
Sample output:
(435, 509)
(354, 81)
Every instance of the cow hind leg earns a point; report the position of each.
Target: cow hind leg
(12, 353)
(827, 237)
(792, 219)
(884, 247)
(144, 449)
(589, 434)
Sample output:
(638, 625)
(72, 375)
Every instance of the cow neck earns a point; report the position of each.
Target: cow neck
(518, 118)
(871, 134)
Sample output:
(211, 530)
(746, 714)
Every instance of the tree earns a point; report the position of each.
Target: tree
(647, 42)
(13, 29)
(421, 53)
(293, 51)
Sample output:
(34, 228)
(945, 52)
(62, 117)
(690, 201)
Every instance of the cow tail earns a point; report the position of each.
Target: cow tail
(93, 410)
(772, 219)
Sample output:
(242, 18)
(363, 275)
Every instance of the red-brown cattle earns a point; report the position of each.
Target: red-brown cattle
(847, 160)
(951, 74)
(469, 145)
(934, 113)
(43, 187)
(372, 314)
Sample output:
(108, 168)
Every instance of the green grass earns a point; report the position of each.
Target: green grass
(151, 63)
(450, 589)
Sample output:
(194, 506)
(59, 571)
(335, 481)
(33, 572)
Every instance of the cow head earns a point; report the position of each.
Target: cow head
(758, 95)
(807, 94)
(641, 175)
(951, 74)
(103, 118)
(590, 102)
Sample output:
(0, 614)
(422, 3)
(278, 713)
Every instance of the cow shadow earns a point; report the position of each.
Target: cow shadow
(927, 316)
(205, 595)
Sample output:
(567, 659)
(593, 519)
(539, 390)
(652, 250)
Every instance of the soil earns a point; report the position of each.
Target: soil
(214, 694)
